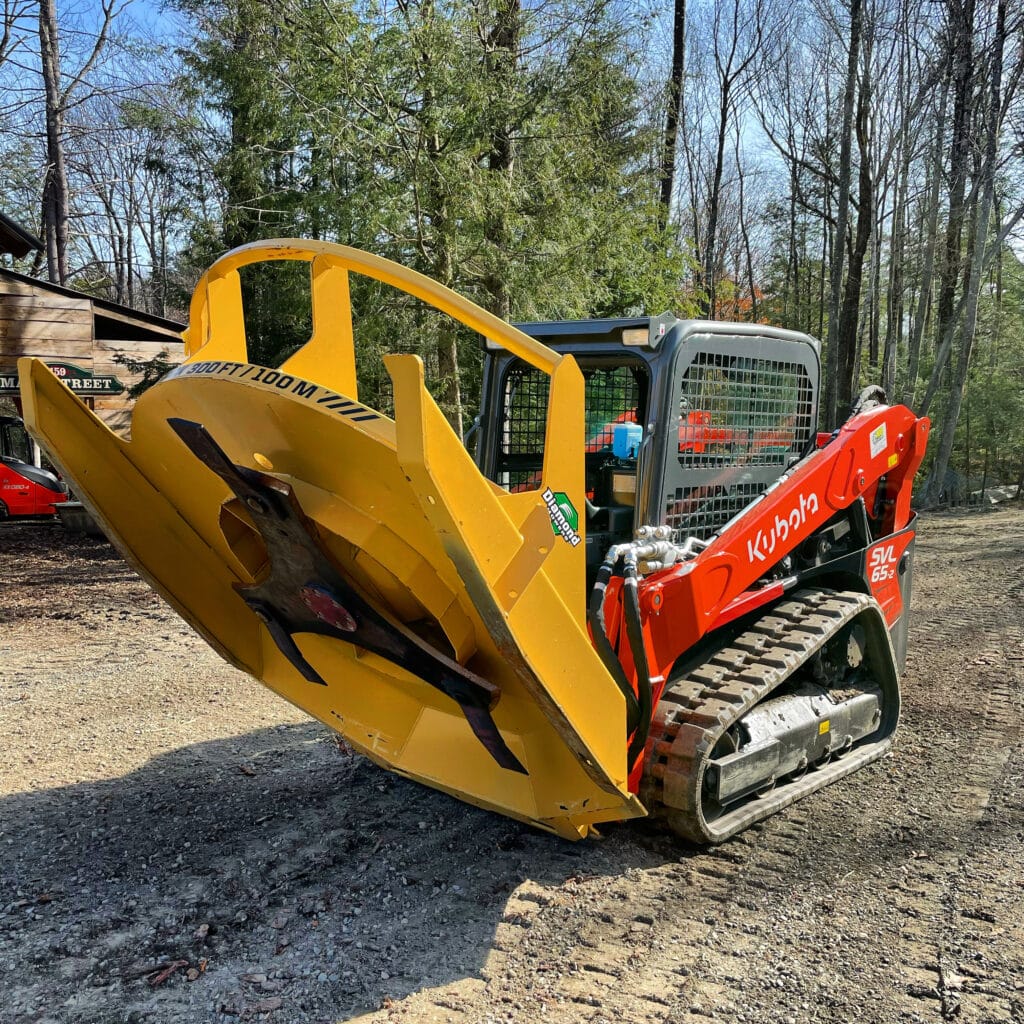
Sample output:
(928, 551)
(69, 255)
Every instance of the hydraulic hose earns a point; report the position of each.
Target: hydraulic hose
(595, 616)
(634, 632)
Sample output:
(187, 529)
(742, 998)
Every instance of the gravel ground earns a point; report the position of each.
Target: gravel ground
(176, 844)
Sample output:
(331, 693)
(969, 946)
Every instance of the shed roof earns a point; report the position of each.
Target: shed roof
(15, 239)
(112, 311)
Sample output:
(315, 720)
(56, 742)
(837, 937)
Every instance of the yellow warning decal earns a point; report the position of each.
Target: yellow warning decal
(878, 440)
(893, 459)
(823, 727)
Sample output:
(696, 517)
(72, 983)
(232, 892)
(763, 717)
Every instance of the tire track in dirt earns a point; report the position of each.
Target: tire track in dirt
(907, 874)
(991, 684)
(796, 919)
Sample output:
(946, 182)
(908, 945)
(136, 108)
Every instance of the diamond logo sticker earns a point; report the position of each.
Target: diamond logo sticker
(565, 520)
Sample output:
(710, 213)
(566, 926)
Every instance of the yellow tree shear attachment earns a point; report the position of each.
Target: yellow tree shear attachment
(362, 567)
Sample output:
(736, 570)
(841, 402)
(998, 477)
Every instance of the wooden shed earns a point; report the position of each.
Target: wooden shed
(80, 337)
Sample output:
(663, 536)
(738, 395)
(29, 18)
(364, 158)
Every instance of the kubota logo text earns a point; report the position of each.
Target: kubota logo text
(763, 545)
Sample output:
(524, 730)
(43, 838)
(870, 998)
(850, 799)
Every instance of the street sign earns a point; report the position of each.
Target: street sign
(82, 382)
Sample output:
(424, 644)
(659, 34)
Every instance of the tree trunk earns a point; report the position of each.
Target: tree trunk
(967, 456)
(55, 183)
(928, 270)
(450, 391)
(443, 270)
(895, 307)
(832, 346)
(502, 57)
(875, 298)
(748, 254)
(791, 317)
(961, 53)
(711, 244)
(981, 231)
(674, 105)
(826, 248)
(846, 336)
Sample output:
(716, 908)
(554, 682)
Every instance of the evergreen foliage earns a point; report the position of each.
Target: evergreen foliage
(520, 153)
(499, 150)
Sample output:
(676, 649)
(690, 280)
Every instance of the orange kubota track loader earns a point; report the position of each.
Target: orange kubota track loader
(655, 588)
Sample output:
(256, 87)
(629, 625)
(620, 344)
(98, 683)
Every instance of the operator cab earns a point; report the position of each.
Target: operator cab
(723, 410)
(618, 384)
(15, 444)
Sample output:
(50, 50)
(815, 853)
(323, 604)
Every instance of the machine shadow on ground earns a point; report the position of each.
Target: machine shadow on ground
(273, 851)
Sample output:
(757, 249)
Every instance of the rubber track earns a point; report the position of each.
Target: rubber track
(695, 710)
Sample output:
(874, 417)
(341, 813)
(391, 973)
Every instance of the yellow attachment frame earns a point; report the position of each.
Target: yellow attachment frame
(407, 520)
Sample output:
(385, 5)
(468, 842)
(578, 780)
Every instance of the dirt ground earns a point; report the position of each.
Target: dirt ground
(176, 844)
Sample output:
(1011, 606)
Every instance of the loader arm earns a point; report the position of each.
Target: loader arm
(682, 604)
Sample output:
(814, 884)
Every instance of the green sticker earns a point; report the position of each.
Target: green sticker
(565, 520)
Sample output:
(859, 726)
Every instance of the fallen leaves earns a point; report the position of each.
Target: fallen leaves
(161, 975)
(156, 974)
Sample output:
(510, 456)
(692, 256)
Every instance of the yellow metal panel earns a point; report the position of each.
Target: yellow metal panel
(564, 449)
(221, 331)
(539, 628)
(329, 357)
(137, 515)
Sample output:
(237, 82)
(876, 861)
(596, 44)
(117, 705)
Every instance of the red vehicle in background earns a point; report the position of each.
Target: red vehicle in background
(25, 489)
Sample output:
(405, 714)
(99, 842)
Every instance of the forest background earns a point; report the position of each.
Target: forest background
(849, 168)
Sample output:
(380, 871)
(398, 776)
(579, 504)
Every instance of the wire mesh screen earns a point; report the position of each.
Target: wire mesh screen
(742, 411)
(701, 511)
(741, 420)
(613, 394)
